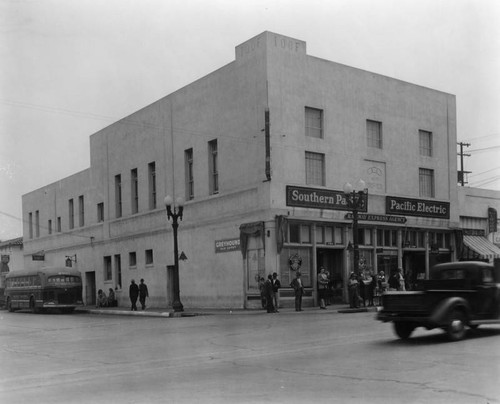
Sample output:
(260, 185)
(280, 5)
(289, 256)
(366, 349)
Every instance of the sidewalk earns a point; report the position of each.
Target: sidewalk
(191, 312)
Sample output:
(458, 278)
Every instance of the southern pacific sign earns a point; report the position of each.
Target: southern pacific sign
(319, 199)
(417, 207)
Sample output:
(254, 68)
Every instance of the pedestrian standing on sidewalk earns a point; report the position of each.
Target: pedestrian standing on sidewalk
(298, 288)
(276, 286)
(322, 288)
(143, 293)
(268, 291)
(133, 292)
(353, 291)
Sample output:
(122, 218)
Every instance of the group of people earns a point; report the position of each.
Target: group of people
(138, 292)
(106, 301)
(363, 287)
(135, 292)
(269, 293)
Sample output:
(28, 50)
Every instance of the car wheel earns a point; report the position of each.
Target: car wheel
(456, 326)
(9, 305)
(403, 330)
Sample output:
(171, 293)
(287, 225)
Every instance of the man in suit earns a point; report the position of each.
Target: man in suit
(276, 286)
(298, 287)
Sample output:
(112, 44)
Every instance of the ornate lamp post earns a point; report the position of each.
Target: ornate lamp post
(356, 200)
(175, 212)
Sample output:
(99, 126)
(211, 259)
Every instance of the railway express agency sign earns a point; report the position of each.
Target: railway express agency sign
(417, 207)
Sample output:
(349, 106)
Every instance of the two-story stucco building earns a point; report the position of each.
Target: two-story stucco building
(260, 151)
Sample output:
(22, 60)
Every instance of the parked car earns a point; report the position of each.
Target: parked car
(457, 295)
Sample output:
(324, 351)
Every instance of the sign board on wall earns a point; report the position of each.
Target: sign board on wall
(417, 207)
(318, 198)
(222, 246)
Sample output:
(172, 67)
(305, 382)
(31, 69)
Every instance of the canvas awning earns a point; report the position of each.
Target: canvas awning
(482, 246)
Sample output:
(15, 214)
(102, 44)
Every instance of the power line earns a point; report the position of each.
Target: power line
(485, 149)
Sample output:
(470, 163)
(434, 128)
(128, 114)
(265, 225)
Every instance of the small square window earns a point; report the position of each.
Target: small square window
(132, 259)
(149, 257)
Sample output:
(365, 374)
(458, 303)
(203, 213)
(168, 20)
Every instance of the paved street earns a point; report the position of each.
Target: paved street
(312, 356)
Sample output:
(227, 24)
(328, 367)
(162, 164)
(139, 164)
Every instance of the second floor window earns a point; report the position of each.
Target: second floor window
(426, 182)
(152, 185)
(425, 142)
(188, 157)
(81, 211)
(374, 134)
(134, 185)
(118, 195)
(315, 168)
(314, 122)
(37, 223)
(71, 208)
(100, 212)
(213, 170)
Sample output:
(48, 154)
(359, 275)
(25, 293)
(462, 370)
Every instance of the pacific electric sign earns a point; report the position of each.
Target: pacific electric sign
(417, 207)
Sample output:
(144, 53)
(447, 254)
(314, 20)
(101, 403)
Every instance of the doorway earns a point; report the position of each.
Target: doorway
(332, 261)
(90, 289)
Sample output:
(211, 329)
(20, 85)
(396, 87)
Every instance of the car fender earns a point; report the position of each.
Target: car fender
(440, 314)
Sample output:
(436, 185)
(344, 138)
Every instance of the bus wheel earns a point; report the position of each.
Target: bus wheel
(33, 307)
(9, 305)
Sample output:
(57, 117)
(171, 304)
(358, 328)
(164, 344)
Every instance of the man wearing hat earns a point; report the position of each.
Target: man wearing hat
(297, 286)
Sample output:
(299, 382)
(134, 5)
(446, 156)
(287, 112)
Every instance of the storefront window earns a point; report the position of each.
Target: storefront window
(299, 233)
(319, 235)
(305, 234)
(339, 239)
(329, 235)
(368, 237)
(294, 233)
(287, 274)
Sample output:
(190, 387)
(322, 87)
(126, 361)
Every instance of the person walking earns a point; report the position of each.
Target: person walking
(143, 293)
(298, 288)
(133, 292)
(322, 288)
(276, 286)
(353, 288)
(268, 291)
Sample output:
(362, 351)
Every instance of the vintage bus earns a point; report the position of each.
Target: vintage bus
(45, 288)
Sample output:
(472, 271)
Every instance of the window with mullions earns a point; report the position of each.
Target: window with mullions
(425, 142)
(314, 122)
(387, 238)
(213, 167)
(329, 235)
(374, 134)
(426, 182)
(315, 168)
(299, 233)
(188, 157)
(134, 190)
(108, 272)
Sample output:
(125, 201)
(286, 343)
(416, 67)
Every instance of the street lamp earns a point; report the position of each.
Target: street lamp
(175, 212)
(356, 200)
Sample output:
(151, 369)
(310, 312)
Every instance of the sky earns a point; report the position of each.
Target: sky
(69, 68)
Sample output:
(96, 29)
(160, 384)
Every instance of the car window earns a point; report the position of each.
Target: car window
(487, 275)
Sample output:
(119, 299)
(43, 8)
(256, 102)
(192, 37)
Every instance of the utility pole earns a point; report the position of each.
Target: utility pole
(461, 173)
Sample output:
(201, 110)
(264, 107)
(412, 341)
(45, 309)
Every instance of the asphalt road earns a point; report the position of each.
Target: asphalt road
(308, 357)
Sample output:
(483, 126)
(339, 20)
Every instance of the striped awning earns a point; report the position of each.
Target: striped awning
(482, 246)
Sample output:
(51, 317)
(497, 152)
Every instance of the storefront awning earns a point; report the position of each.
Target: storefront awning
(482, 246)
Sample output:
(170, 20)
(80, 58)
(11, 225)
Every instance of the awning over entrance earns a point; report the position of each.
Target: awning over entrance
(482, 246)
